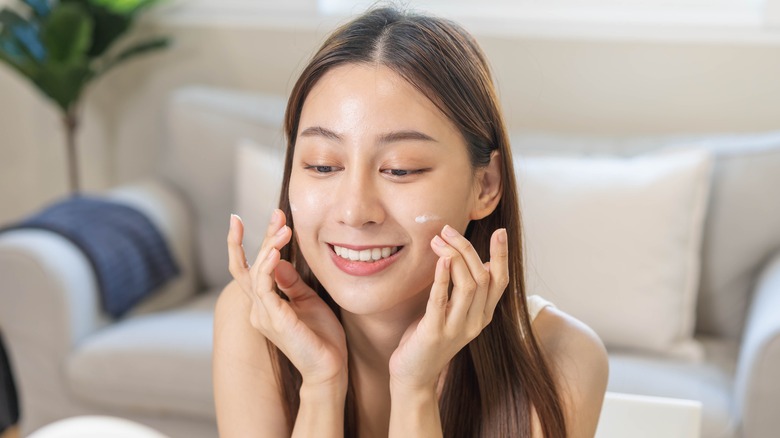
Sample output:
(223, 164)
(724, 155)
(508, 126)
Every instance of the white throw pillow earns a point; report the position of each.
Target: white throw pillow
(259, 172)
(615, 242)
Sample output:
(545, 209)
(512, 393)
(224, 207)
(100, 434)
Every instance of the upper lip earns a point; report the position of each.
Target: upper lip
(361, 247)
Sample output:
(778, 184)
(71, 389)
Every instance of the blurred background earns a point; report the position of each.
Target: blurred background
(567, 72)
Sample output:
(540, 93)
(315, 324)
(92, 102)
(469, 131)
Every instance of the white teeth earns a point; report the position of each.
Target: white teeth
(366, 255)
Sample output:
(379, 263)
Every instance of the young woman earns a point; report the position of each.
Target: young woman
(388, 296)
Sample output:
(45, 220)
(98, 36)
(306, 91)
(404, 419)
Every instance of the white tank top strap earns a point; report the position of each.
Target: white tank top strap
(535, 305)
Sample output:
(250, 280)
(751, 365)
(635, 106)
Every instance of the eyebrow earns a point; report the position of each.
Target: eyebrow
(390, 137)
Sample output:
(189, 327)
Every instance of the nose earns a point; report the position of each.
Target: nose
(359, 203)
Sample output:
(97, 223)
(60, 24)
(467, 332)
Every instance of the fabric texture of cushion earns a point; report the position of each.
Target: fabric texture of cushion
(129, 255)
(745, 163)
(152, 363)
(616, 243)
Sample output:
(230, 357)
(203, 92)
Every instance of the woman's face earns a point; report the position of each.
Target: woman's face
(378, 170)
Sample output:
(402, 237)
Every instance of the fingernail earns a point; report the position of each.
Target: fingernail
(270, 254)
(281, 230)
(447, 261)
(439, 241)
(232, 220)
(502, 235)
(275, 215)
(449, 231)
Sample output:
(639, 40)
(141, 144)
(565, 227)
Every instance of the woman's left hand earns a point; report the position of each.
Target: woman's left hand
(450, 323)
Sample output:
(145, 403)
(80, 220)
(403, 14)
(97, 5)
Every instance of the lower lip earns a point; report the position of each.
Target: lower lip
(360, 269)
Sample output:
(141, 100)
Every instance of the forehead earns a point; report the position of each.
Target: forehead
(359, 97)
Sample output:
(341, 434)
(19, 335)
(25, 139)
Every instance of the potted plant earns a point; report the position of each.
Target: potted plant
(62, 46)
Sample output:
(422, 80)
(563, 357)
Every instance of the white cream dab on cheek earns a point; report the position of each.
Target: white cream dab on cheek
(423, 218)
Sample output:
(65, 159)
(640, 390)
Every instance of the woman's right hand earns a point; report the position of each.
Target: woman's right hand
(305, 329)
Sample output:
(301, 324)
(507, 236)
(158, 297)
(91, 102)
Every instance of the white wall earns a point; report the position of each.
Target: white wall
(546, 83)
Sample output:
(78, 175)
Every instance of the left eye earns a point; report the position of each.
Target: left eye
(403, 172)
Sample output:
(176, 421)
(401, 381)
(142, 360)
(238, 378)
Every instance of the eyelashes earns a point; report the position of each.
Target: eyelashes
(325, 170)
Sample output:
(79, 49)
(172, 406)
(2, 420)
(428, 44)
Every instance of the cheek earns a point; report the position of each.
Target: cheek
(307, 203)
(430, 213)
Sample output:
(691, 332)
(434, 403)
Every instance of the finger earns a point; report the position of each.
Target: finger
(237, 264)
(481, 275)
(499, 270)
(277, 235)
(464, 287)
(291, 283)
(469, 254)
(437, 302)
(277, 309)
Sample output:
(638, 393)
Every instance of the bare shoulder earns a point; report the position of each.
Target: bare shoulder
(580, 364)
(246, 394)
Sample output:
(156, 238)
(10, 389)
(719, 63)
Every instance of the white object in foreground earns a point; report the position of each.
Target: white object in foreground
(96, 426)
(639, 416)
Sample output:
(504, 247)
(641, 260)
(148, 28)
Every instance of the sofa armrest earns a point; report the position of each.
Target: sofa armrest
(49, 292)
(757, 387)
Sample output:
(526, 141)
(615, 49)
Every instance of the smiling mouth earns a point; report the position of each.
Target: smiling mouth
(369, 255)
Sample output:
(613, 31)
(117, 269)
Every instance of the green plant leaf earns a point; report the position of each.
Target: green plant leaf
(40, 8)
(109, 27)
(135, 50)
(63, 83)
(12, 55)
(24, 32)
(9, 18)
(124, 7)
(67, 34)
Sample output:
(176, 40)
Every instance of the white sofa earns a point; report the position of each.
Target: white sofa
(154, 366)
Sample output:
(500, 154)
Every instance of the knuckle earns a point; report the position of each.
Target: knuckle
(463, 244)
(470, 287)
(483, 279)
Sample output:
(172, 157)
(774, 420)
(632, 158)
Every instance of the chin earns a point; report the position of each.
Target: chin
(370, 301)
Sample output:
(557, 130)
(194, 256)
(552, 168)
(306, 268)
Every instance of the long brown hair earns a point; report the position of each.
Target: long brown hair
(492, 385)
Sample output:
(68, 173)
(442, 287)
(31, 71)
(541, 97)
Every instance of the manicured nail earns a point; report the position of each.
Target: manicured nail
(502, 235)
(438, 241)
(449, 231)
(275, 215)
(232, 220)
(281, 230)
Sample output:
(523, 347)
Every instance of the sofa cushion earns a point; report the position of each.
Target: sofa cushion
(615, 242)
(740, 232)
(259, 171)
(710, 382)
(204, 125)
(153, 363)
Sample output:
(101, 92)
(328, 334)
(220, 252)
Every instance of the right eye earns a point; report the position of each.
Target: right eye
(323, 170)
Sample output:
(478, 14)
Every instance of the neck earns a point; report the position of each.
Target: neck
(373, 338)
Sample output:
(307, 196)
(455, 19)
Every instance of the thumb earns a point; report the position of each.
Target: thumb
(290, 282)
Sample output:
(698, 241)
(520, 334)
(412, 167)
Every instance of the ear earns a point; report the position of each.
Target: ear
(488, 187)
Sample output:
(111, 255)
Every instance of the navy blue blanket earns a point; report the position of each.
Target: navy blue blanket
(128, 254)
